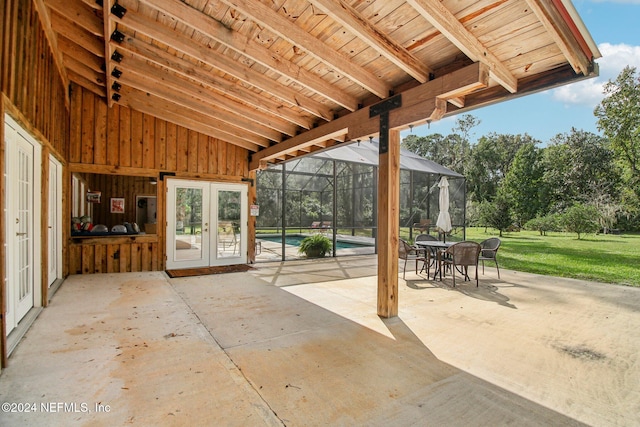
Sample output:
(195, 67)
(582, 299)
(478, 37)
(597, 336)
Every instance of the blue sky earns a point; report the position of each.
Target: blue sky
(614, 25)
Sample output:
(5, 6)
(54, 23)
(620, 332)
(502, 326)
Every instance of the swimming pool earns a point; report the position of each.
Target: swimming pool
(294, 240)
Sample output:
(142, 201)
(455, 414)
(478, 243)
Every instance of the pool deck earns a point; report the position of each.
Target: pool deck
(272, 251)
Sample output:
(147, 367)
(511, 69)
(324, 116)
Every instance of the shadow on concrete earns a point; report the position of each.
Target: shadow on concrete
(315, 367)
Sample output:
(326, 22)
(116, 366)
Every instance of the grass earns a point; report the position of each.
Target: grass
(601, 258)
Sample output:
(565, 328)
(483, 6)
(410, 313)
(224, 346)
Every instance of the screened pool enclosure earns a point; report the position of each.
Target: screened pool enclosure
(335, 193)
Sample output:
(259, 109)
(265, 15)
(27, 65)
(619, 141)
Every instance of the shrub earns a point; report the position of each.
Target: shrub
(316, 245)
(543, 224)
(580, 218)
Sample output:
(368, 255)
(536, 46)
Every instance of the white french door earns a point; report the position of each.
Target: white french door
(206, 224)
(22, 231)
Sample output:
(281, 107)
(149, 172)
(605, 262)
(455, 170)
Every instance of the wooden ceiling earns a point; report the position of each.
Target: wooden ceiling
(286, 77)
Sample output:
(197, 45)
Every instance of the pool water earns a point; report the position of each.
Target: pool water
(295, 241)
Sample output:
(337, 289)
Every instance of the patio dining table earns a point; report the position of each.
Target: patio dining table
(434, 246)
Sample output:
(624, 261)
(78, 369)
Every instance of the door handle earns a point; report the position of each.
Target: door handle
(21, 234)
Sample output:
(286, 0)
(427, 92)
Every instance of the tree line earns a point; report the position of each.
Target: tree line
(578, 182)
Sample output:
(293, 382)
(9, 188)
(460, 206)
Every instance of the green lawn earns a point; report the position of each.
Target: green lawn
(602, 258)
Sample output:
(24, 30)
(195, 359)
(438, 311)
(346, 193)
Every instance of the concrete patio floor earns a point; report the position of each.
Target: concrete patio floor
(300, 344)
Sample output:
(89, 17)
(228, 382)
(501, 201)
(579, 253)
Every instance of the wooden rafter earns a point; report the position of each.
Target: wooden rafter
(314, 47)
(246, 47)
(108, 27)
(171, 94)
(194, 95)
(220, 85)
(78, 13)
(238, 70)
(551, 20)
(348, 17)
(80, 36)
(442, 18)
(270, 76)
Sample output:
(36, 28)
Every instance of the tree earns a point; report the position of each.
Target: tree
(543, 224)
(490, 161)
(580, 219)
(578, 166)
(522, 184)
(452, 151)
(619, 118)
(496, 214)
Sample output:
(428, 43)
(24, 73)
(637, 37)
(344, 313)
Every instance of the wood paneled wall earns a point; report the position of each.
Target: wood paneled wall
(115, 255)
(127, 187)
(35, 95)
(29, 77)
(118, 141)
(119, 136)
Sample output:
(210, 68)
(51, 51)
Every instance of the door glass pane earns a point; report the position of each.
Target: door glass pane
(188, 240)
(229, 205)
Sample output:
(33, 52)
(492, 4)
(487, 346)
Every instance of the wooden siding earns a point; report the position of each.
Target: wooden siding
(119, 136)
(35, 95)
(115, 255)
(30, 79)
(117, 150)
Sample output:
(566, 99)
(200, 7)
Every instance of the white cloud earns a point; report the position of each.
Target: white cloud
(618, 1)
(589, 92)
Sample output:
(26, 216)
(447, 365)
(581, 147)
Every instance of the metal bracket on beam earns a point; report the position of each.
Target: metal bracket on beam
(382, 109)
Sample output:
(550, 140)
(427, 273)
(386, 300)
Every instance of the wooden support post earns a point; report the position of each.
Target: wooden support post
(388, 226)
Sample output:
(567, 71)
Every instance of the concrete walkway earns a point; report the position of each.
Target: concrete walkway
(299, 344)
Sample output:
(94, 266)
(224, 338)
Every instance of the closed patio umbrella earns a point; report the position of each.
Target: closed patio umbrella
(444, 220)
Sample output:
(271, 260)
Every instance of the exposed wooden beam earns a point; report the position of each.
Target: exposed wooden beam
(184, 117)
(78, 35)
(223, 63)
(351, 19)
(175, 99)
(440, 17)
(266, 16)
(86, 83)
(208, 101)
(78, 13)
(217, 83)
(108, 27)
(80, 68)
(557, 28)
(418, 104)
(93, 4)
(73, 50)
(247, 47)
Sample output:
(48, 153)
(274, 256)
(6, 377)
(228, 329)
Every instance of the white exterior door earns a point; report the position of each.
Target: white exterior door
(22, 227)
(54, 226)
(206, 224)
